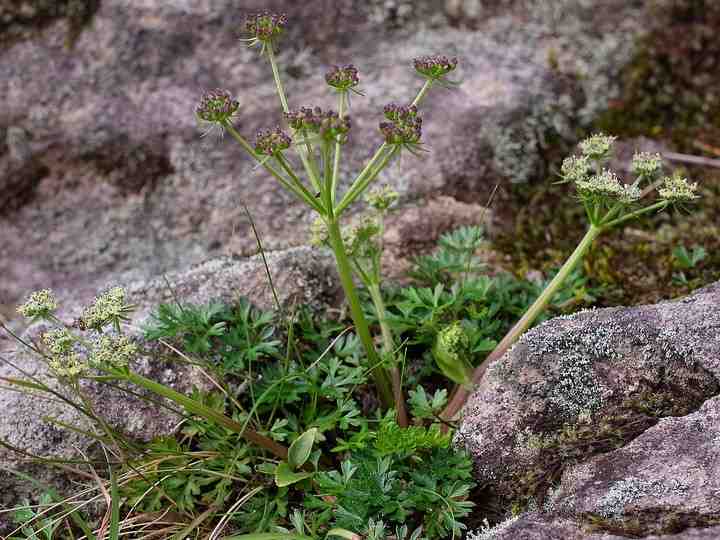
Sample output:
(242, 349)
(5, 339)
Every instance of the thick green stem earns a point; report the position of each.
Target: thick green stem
(326, 184)
(388, 348)
(380, 375)
(461, 393)
(208, 413)
(338, 150)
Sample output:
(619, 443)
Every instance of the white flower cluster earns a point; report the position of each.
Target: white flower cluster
(607, 184)
(597, 146)
(113, 351)
(63, 360)
(646, 165)
(108, 308)
(678, 189)
(39, 305)
(576, 168)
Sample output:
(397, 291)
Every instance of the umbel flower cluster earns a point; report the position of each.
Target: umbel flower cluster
(270, 142)
(607, 199)
(265, 27)
(404, 126)
(70, 354)
(435, 67)
(327, 124)
(217, 106)
(343, 78)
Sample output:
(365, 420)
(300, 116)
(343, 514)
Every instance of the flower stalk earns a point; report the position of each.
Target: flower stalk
(382, 381)
(608, 203)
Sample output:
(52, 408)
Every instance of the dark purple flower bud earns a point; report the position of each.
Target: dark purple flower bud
(270, 142)
(343, 78)
(217, 106)
(327, 124)
(265, 26)
(404, 126)
(435, 67)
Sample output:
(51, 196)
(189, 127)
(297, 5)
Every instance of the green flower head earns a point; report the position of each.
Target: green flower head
(318, 232)
(111, 351)
(39, 305)
(382, 198)
(108, 308)
(63, 360)
(597, 146)
(452, 353)
(646, 165)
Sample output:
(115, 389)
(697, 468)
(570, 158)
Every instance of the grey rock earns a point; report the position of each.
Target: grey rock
(617, 406)
(132, 187)
(535, 526)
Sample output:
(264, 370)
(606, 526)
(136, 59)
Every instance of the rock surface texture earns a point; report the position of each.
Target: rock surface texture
(110, 175)
(606, 421)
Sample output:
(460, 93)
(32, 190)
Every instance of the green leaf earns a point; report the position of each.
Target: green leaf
(300, 449)
(114, 532)
(343, 533)
(284, 475)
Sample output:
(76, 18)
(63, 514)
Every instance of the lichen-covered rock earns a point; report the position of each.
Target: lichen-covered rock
(131, 186)
(535, 526)
(617, 405)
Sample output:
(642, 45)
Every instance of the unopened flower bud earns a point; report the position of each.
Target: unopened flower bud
(382, 198)
(452, 353)
(270, 142)
(343, 78)
(217, 107)
(435, 67)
